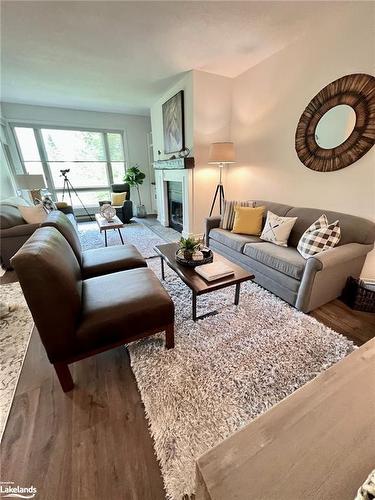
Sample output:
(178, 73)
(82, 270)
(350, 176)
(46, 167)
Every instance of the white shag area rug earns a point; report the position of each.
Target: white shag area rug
(16, 325)
(224, 370)
(135, 233)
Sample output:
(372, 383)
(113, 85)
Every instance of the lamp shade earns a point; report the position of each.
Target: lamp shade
(28, 181)
(221, 152)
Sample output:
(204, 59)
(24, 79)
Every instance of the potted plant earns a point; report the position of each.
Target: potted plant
(188, 246)
(134, 177)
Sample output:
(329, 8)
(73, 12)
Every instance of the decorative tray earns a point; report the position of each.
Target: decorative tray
(195, 263)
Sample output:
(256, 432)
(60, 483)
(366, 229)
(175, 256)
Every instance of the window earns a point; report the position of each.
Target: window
(30, 154)
(94, 159)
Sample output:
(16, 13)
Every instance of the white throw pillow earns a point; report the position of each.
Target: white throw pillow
(33, 215)
(320, 236)
(277, 229)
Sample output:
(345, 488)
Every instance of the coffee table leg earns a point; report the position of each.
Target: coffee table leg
(237, 294)
(194, 304)
(119, 232)
(105, 238)
(162, 268)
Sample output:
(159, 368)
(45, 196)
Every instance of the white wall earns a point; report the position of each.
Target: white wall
(212, 115)
(135, 130)
(185, 84)
(207, 100)
(268, 100)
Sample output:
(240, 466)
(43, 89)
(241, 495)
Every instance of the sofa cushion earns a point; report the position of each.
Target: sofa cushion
(353, 229)
(276, 208)
(100, 261)
(120, 305)
(232, 240)
(66, 226)
(10, 216)
(284, 259)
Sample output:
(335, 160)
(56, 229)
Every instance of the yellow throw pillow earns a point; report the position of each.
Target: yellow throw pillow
(248, 220)
(118, 199)
(61, 204)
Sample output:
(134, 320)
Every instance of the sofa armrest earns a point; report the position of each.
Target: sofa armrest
(338, 255)
(326, 273)
(212, 223)
(19, 231)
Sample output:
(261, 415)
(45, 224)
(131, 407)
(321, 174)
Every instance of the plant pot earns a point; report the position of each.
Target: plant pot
(188, 255)
(141, 211)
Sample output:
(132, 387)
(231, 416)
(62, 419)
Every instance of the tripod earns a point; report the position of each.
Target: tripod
(68, 187)
(220, 191)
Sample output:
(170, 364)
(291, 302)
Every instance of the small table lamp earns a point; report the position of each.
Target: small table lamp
(220, 154)
(31, 183)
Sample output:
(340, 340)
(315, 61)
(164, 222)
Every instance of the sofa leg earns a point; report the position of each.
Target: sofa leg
(169, 336)
(64, 376)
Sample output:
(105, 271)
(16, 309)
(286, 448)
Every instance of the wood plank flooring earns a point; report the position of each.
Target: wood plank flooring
(93, 443)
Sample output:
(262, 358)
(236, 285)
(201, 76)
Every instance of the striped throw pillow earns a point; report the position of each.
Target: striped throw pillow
(227, 219)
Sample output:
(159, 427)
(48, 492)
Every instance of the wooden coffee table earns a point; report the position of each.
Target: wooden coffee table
(105, 226)
(195, 282)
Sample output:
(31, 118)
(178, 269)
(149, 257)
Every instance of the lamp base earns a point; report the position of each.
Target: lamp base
(219, 191)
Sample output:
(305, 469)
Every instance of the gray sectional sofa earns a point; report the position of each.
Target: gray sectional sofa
(15, 231)
(304, 283)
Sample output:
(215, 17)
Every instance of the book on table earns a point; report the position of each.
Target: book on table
(214, 271)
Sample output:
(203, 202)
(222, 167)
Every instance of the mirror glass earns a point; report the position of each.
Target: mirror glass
(335, 126)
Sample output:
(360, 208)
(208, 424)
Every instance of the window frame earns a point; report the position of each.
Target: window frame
(37, 129)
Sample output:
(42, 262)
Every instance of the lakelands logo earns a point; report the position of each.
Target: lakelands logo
(8, 490)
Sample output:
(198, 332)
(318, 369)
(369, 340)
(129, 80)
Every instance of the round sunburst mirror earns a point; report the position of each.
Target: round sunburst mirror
(338, 125)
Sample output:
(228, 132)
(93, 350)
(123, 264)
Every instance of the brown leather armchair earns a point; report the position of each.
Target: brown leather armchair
(77, 318)
(97, 261)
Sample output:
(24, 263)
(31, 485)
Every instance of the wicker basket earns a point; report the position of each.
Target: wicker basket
(357, 296)
(194, 263)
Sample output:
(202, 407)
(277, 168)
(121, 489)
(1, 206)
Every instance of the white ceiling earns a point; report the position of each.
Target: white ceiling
(121, 56)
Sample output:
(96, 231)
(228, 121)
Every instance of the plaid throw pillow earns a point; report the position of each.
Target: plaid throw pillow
(47, 202)
(227, 220)
(318, 237)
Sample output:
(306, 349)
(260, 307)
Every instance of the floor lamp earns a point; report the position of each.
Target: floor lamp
(221, 153)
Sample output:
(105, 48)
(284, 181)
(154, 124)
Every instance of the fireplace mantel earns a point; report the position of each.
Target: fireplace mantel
(174, 164)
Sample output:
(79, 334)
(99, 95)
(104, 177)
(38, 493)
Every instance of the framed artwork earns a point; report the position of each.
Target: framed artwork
(173, 124)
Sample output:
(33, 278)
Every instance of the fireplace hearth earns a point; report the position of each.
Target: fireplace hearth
(175, 205)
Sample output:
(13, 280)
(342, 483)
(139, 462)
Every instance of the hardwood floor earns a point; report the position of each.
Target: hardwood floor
(93, 443)
(357, 326)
